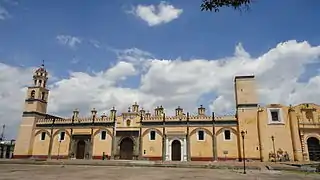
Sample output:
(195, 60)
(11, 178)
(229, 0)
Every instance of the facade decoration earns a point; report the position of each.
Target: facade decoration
(140, 134)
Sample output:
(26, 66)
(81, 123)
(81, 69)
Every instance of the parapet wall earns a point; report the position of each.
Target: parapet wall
(110, 120)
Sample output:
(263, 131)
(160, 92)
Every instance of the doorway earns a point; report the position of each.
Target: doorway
(314, 149)
(126, 148)
(81, 146)
(176, 150)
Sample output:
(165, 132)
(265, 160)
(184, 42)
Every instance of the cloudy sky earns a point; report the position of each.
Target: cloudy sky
(112, 53)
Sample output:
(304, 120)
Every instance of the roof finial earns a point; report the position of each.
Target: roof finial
(42, 63)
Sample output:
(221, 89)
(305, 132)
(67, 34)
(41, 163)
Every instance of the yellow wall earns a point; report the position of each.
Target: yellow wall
(281, 133)
(201, 149)
(245, 89)
(64, 145)
(247, 119)
(151, 148)
(24, 141)
(99, 145)
(231, 146)
(41, 147)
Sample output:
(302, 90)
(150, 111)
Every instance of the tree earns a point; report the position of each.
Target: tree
(216, 5)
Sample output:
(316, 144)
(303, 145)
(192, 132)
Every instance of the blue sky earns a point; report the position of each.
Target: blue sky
(29, 36)
(164, 69)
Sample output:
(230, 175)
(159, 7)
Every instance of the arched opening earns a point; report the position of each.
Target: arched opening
(314, 149)
(176, 150)
(33, 93)
(126, 148)
(81, 146)
(43, 96)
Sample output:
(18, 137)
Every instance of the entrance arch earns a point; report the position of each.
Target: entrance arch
(81, 146)
(126, 148)
(176, 150)
(314, 149)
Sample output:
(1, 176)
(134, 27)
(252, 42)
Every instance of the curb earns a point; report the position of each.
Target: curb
(130, 164)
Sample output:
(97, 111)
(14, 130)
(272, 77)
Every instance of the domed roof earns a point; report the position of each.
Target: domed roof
(41, 69)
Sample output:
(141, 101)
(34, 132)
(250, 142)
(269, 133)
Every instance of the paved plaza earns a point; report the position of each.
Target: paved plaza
(72, 172)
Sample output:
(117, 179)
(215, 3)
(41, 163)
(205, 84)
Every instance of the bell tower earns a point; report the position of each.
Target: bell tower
(35, 107)
(37, 94)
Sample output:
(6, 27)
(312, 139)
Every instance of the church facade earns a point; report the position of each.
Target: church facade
(271, 133)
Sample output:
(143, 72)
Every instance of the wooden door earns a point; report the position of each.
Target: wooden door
(81, 146)
(176, 150)
(126, 149)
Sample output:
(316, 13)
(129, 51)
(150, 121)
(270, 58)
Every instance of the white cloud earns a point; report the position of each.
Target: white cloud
(12, 95)
(163, 13)
(68, 40)
(95, 43)
(171, 82)
(4, 14)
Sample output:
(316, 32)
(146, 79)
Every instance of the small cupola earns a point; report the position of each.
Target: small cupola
(201, 110)
(40, 77)
(179, 111)
(135, 107)
(113, 113)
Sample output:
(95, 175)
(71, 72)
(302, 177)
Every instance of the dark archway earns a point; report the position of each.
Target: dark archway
(176, 150)
(314, 149)
(126, 148)
(81, 146)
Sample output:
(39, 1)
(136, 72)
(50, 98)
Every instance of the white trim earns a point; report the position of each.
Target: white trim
(280, 116)
(168, 155)
(45, 136)
(155, 135)
(64, 137)
(224, 136)
(101, 135)
(204, 135)
(183, 143)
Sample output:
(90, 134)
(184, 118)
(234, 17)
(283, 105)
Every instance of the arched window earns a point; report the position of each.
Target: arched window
(40, 82)
(33, 93)
(43, 96)
(128, 122)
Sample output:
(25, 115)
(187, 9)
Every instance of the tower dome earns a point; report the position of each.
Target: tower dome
(40, 76)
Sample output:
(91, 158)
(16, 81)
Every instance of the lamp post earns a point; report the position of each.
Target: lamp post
(59, 149)
(12, 147)
(244, 154)
(274, 149)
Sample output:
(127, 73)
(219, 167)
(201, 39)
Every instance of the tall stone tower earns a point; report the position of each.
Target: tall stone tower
(35, 107)
(247, 110)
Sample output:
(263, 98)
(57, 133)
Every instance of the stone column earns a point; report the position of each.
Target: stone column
(140, 134)
(214, 139)
(113, 114)
(261, 129)
(295, 136)
(51, 139)
(188, 139)
(164, 144)
(166, 147)
(185, 150)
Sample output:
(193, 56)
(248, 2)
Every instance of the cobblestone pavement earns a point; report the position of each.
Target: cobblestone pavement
(58, 172)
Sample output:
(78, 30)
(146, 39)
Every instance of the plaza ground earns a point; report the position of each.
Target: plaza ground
(82, 172)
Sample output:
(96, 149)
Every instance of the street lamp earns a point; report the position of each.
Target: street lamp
(59, 149)
(12, 147)
(244, 154)
(274, 149)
